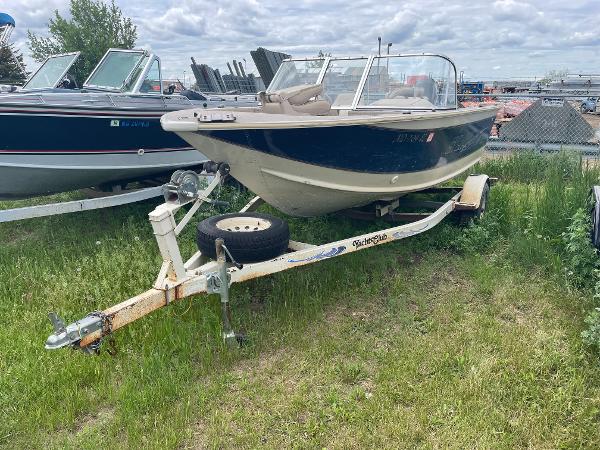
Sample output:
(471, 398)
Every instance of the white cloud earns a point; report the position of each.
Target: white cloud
(497, 37)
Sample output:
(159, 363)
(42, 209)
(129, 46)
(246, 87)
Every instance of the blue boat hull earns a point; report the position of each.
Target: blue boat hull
(50, 150)
(363, 148)
(23, 132)
(313, 166)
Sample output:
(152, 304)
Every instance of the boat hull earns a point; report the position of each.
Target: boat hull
(311, 171)
(49, 150)
(23, 176)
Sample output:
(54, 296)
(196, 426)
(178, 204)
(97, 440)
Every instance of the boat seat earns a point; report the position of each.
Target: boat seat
(300, 99)
(344, 99)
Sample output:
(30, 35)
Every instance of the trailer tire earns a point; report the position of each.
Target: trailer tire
(469, 217)
(595, 217)
(249, 237)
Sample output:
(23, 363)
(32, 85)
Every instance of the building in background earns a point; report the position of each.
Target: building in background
(267, 62)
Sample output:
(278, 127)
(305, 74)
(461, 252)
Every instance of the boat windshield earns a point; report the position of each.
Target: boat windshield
(410, 82)
(117, 70)
(52, 71)
(341, 80)
(295, 73)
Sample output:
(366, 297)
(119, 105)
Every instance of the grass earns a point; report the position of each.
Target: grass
(455, 338)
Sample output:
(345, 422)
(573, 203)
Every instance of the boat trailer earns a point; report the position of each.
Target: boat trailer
(178, 279)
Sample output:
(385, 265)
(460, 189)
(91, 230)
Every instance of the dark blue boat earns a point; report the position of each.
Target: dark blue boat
(54, 138)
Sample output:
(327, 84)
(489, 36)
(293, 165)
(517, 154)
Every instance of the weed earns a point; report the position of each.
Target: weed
(581, 258)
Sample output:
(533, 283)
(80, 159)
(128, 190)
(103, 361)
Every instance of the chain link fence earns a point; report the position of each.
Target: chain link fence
(543, 123)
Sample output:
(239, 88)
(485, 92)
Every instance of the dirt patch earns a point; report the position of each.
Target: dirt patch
(19, 236)
(593, 120)
(98, 419)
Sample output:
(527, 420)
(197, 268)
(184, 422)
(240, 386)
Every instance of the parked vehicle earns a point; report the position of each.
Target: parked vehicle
(589, 105)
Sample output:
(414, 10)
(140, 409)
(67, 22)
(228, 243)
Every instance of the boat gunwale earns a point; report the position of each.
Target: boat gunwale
(313, 121)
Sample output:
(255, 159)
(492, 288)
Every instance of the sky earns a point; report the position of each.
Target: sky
(488, 39)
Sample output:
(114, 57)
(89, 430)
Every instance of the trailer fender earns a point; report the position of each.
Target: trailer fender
(473, 192)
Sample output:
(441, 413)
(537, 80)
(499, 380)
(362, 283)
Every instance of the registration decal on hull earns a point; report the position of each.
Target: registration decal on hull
(132, 123)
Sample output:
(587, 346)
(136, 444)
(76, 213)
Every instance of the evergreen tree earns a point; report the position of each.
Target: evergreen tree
(12, 68)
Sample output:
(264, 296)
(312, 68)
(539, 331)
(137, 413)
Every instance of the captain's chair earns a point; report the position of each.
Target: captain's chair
(300, 99)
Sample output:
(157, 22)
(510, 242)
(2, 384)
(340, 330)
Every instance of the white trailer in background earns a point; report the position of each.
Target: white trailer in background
(53, 209)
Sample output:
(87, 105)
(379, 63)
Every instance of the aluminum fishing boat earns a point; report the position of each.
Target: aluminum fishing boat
(55, 137)
(337, 133)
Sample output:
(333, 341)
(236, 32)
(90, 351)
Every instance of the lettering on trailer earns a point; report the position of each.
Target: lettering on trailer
(373, 240)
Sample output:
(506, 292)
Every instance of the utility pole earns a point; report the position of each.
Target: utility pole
(379, 51)
(388, 60)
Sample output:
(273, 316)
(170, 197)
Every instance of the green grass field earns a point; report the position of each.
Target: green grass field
(458, 338)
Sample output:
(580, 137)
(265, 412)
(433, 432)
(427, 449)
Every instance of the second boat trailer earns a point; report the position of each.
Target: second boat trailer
(178, 279)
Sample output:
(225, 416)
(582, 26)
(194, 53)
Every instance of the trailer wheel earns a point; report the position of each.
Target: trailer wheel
(249, 237)
(468, 217)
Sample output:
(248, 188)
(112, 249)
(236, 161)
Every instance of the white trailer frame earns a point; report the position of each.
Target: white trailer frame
(178, 279)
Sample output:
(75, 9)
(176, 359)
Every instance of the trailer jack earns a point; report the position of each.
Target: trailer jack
(218, 283)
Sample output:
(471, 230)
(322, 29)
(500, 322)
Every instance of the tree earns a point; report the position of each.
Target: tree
(93, 28)
(317, 64)
(554, 75)
(12, 68)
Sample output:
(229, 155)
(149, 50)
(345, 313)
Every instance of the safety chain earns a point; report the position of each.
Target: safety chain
(106, 334)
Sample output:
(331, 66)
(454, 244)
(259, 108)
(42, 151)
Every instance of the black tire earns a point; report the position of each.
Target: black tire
(595, 216)
(247, 244)
(468, 217)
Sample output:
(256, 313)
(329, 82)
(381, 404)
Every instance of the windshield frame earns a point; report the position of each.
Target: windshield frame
(360, 83)
(360, 89)
(316, 58)
(370, 60)
(144, 73)
(142, 53)
(62, 76)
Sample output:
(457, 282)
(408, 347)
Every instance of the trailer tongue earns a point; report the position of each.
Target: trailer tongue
(199, 274)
